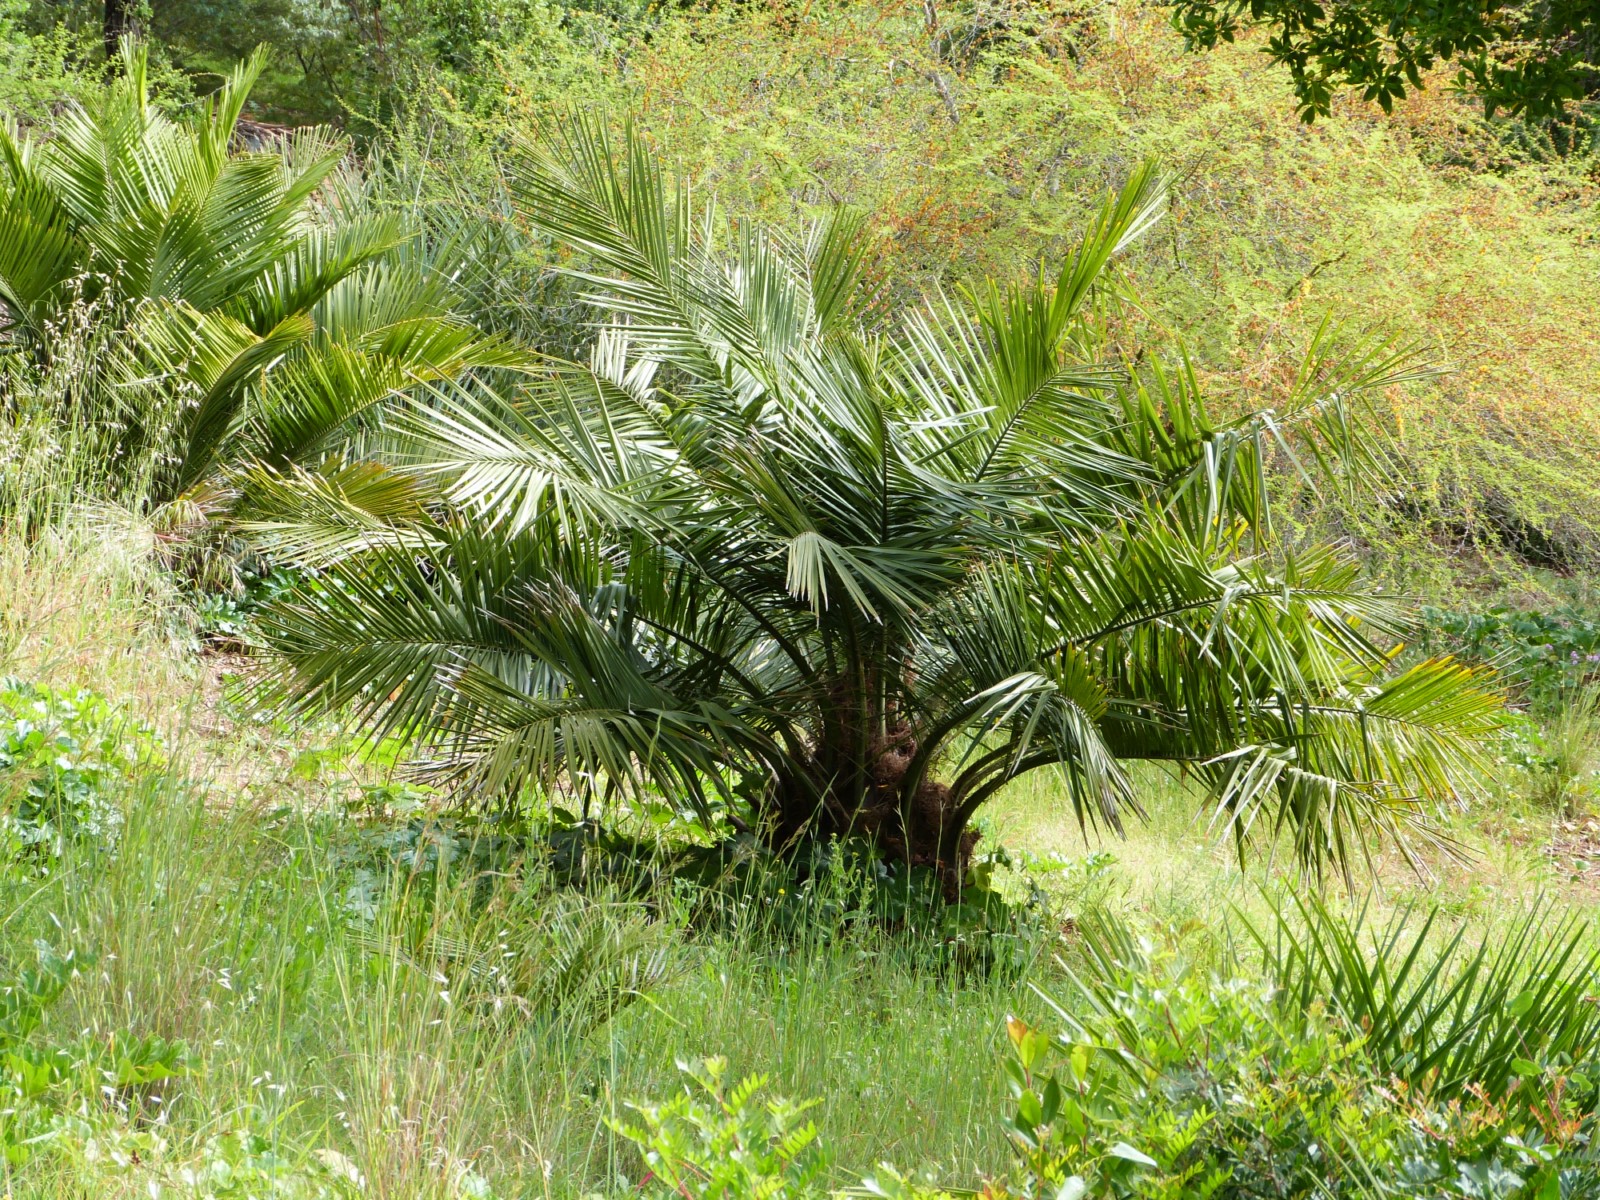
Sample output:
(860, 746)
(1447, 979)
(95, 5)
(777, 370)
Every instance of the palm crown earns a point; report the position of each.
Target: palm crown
(855, 580)
(259, 318)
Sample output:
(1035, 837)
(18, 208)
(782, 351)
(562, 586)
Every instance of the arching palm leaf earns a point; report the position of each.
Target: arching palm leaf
(272, 323)
(874, 576)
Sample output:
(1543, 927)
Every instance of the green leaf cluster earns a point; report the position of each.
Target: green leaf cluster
(245, 306)
(1525, 58)
(63, 759)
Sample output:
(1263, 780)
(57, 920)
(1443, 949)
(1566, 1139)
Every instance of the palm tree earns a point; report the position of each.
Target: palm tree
(828, 578)
(262, 315)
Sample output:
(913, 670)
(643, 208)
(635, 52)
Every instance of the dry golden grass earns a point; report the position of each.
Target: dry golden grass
(1174, 866)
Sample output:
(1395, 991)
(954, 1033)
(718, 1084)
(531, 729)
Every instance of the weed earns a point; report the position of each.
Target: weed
(721, 1141)
(1565, 771)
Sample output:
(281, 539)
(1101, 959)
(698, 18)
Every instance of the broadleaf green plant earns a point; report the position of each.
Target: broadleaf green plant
(1168, 1083)
(62, 757)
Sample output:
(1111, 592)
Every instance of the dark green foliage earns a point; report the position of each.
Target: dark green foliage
(226, 619)
(1171, 1085)
(1545, 654)
(1526, 57)
(348, 64)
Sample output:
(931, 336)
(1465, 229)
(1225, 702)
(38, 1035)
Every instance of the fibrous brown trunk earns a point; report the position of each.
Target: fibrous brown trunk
(929, 831)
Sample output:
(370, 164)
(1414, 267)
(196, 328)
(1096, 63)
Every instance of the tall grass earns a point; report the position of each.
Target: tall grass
(366, 1034)
(432, 1032)
(67, 410)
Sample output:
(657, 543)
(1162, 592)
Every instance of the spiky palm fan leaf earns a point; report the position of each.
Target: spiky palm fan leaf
(855, 579)
(260, 319)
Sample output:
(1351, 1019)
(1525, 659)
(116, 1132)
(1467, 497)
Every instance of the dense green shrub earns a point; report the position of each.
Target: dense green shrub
(1174, 1085)
(1545, 654)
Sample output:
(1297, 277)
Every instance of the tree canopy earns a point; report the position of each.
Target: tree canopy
(1525, 57)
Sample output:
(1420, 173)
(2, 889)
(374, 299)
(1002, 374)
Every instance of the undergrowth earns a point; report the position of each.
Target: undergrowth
(364, 996)
(241, 957)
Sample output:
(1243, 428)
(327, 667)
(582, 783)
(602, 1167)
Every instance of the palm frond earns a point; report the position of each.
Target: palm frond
(316, 519)
(1442, 1012)
(879, 571)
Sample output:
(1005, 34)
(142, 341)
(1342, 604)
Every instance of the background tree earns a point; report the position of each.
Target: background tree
(354, 65)
(1529, 58)
(118, 23)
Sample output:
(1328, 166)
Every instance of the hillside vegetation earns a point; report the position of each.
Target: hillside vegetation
(978, 140)
(786, 602)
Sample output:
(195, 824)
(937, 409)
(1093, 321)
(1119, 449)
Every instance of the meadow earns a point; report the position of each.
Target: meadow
(282, 910)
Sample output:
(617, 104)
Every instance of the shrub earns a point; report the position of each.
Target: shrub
(1217, 1092)
(1223, 1092)
(1447, 1015)
(1546, 655)
(62, 758)
(1564, 757)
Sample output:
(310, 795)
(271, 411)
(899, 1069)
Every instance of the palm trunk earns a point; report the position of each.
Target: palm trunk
(860, 795)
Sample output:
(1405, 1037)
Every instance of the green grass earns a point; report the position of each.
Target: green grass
(231, 932)
(224, 919)
(227, 918)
